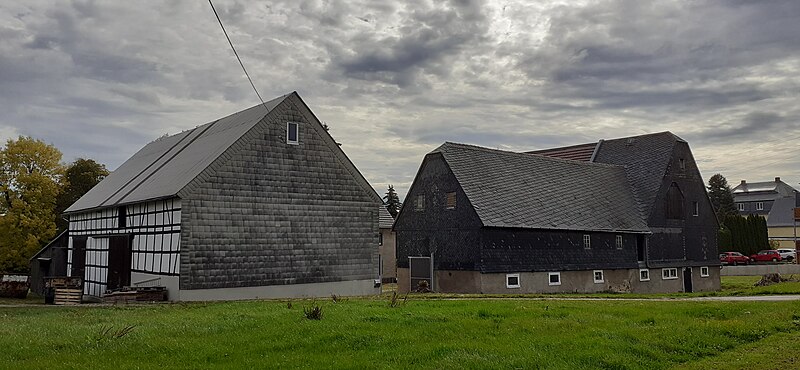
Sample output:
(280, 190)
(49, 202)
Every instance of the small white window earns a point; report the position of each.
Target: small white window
(740, 206)
(669, 273)
(587, 241)
(704, 272)
(554, 278)
(759, 206)
(292, 133)
(512, 281)
(695, 209)
(619, 241)
(644, 275)
(598, 277)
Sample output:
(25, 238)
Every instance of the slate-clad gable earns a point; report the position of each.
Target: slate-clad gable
(520, 190)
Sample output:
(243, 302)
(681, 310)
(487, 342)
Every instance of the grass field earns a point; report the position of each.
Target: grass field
(423, 333)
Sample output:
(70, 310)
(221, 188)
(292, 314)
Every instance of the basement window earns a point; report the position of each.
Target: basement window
(704, 272)
(598, 277)
(512, 281)
(759, 206)
(669, 273)
(587, 242)
(292, 133)
(450, 202)
(644, 275)
(554, 278)
(619, 241)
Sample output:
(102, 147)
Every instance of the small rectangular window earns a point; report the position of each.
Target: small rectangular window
(598, 277)
(619, 241)
(740, 206)
(587, 241)
(512, 281)
(554, 278)
(669, 273)
(644, 275)
(450, 202)
(123, 215)
(759, 206)
(419, 203)
(704, 272)
(682, 164)
(695, 209)
(292, 134)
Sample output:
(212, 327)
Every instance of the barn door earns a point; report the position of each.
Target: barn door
(119, 262)
(687, 280)
(421, 273)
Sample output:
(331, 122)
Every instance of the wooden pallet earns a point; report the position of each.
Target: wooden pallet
(66, 296)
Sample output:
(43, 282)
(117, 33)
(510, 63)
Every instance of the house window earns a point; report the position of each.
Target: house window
(704, 272)
(759, 206)
(512, 281)
(644, 275)
(674, 206)
(554, 278)
(740, 206)
(669, 273)
(682, 164)
(450, 202)
(292, 134)
(598, 277)
(695, 209)
(419, 203)
(619, 241)
(587, 241)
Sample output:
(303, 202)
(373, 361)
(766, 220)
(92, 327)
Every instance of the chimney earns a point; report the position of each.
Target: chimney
(743, 182)
(777, 179)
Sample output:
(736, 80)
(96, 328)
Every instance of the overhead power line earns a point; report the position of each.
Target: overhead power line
(237, 54)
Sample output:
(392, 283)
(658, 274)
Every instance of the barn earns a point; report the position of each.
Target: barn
(262, 203)
(621, 215)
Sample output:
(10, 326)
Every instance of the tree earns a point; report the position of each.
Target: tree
(79, 177)
(28, 189)
(392, 201)
(721, 197)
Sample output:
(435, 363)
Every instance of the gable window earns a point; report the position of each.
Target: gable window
(740, 206)
(669, 273)
(598, 277)
(674, 206)
(619, 241)
(554, 278)
(419, 203)
(512, 281)
(292, 133)
(704, 272)
(644, 275)
(587, 241)
(695, 209)
(450, 202)
(682, 164)
(759, 206)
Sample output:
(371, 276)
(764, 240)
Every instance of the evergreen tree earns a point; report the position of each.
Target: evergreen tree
(392, 201)
(721, 197)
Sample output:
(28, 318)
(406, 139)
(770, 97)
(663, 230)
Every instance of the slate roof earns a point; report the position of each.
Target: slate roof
(761, 191)
(509, 189)
(385, 219)
(581, 152)
(782, 212)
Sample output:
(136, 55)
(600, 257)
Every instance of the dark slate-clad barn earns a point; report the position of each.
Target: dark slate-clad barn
(624, 215)
(262, 203)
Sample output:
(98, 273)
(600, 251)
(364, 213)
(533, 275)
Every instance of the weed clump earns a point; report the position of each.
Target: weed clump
(395, 301)
(314, 312)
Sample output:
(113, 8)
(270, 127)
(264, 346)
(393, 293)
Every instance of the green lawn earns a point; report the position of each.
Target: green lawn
(366, 333)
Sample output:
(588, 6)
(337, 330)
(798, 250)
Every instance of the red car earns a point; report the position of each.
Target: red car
(766, 255)
(733, 258)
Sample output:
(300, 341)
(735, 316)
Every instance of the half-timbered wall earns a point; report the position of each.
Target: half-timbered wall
(154, 230)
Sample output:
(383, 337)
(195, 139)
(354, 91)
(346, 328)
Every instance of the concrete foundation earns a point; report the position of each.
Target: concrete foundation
(342, 288)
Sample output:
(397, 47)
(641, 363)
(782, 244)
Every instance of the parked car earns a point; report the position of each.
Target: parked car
(787, 254)
(766, 255)
(733, 258)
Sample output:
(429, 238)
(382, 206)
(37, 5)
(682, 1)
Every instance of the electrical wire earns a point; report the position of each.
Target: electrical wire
(237, 54)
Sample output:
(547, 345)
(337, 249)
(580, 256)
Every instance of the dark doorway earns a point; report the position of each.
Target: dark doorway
(687, 280)
(640, 243)
(421, 274)
(78, 256)
(119, 262)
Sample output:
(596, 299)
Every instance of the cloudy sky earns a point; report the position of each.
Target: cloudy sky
(394, 80)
